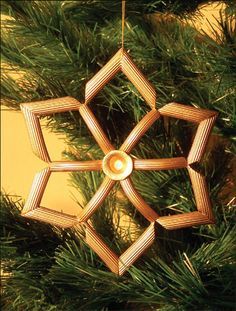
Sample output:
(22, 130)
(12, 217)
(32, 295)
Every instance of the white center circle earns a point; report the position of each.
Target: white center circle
(117, 165)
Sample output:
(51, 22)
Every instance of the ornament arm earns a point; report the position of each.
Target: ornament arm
(97, 199)
(71, 166)
(95, 129)
(137, 200)
(159, 164)
(139, 130)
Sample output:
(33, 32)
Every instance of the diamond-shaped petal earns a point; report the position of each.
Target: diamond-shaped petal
(120, 264)
(121, 61)
(205, 118)
(203, 215)
(32, 112)
(32, 208)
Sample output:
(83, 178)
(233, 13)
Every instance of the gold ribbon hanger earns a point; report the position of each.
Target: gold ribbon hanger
(123, 24)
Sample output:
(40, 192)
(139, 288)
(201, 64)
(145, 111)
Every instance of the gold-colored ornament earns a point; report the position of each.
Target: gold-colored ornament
(119, 164)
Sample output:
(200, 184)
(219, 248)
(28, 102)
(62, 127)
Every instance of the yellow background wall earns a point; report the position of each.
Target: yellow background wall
(19, 164)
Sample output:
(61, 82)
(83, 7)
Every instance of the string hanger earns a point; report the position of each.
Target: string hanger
(123, 24)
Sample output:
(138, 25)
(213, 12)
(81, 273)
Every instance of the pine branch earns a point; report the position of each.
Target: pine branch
(57, 46)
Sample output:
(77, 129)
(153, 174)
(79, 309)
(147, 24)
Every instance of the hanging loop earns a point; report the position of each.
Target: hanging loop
(123, 24)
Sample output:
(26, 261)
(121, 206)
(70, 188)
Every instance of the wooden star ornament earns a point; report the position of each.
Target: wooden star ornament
(119, 164)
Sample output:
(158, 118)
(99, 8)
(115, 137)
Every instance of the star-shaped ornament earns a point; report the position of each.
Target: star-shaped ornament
(118, 165)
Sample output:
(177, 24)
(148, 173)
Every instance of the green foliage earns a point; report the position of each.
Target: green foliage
(59, 45)
(42, 37)
(74, 278)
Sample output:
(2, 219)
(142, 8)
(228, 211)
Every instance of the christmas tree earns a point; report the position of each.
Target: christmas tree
(58, 46)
